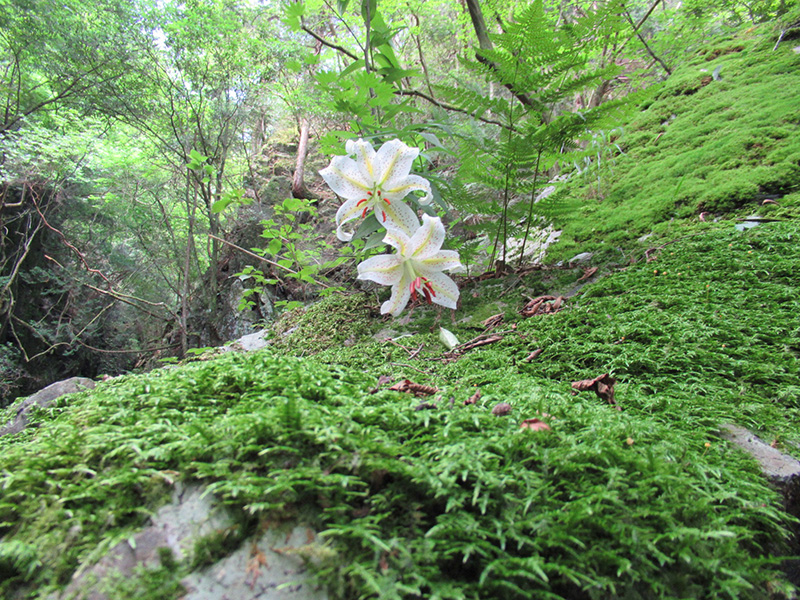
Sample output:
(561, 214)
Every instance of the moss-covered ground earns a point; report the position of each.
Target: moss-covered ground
(447, 499)
(719, 136)
(437, 497)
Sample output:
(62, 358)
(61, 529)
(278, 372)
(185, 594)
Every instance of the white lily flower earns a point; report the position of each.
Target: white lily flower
(416, 268)
(375, 181)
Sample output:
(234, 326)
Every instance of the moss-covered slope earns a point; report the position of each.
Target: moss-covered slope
(720, 136)
(448, 499)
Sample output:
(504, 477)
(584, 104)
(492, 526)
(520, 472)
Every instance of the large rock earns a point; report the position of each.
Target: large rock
(191, 515)
(784, 473)
(271, 567)
(44, 398)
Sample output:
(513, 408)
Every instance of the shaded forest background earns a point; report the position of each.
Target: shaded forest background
(158, 187)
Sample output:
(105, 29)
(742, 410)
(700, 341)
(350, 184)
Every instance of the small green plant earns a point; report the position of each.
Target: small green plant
(294, 251)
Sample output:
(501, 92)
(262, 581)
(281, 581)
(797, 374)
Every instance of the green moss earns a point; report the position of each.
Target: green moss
(701, 144)
(335, 320)
(648, 500)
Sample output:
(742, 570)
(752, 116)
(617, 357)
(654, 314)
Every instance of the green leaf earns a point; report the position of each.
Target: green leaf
(368, 226)
(375, 240)
(221, 205)
(293, 14)
(368, 10)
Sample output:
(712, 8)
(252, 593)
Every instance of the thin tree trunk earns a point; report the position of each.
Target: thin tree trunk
(298, 182)
(476, 15)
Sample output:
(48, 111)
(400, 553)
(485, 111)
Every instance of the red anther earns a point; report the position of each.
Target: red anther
(364, 213)
(384, 215)
(370, 193)
(360, 202)
(387, 201)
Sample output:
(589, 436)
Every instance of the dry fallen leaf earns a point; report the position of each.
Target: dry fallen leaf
(534, 425)
(502, 409)
(474, 398)
(493, 321)
(587, 273)
(603, 386)
(382, 380)
(543, 305)
(533, 355)
(415, 388)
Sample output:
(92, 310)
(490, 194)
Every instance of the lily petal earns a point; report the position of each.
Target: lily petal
(401, 294)
(344, 177)
(400, 188)
(384, 269)
(399, 215)
(393, 161)
(428, 239)
(364, 156)
(446, 290)
(347, 212)
(444, 260)
(399, 240)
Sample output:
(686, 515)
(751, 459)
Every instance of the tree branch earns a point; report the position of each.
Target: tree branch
(325, 42)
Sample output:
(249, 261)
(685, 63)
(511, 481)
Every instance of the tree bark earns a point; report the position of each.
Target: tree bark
(298, 182)
(476, 15)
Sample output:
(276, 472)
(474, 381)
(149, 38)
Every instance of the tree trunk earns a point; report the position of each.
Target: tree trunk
(482, 33)
(298, 182)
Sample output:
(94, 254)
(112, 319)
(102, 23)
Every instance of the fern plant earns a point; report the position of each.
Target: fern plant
(543, 66)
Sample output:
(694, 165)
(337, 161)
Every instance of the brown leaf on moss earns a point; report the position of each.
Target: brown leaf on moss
(425, 406)
(534, 425)
(543, 305)
(501, 409)
(587, 273)
(480, 342)
(414, 388)
(533, 355)
(474, 398)
(382, 380)
(493, 321)
(603, 386)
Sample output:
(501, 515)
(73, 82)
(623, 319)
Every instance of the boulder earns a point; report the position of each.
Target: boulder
(44, 398)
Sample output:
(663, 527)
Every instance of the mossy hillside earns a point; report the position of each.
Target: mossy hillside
(448, 503)
(451, 500)
(708, 332)
(454, 501)
(719, 136)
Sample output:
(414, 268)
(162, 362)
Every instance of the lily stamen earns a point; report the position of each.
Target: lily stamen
(420, 283)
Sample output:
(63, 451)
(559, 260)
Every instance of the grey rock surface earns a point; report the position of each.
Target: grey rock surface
(581, 258)
(250, 342)
(776, 465)
(192, 514)
(270, 569)
(784, 472)
(44, 398)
